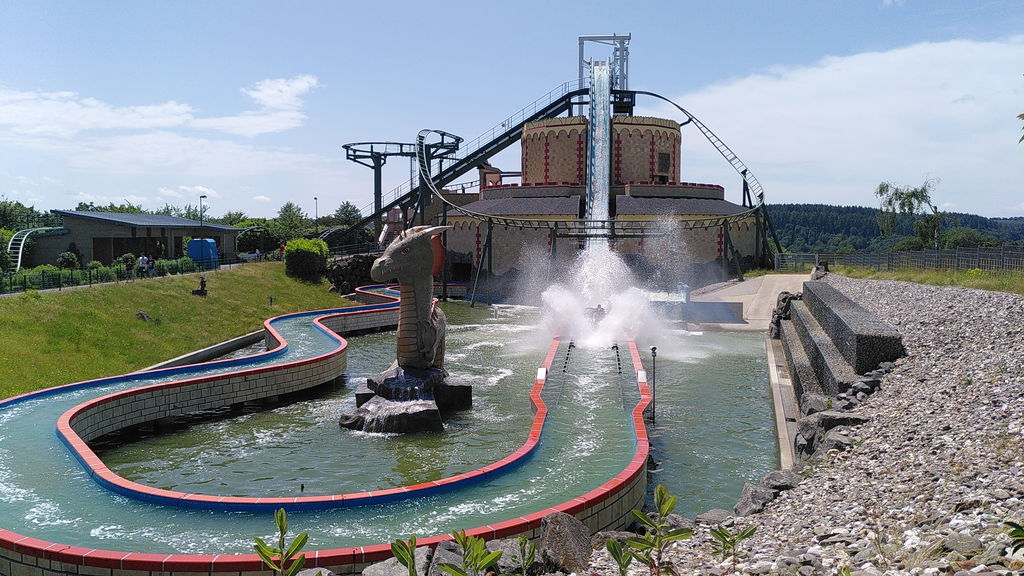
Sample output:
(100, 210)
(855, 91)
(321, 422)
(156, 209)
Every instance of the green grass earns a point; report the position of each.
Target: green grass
(55, 338)
(980, 279)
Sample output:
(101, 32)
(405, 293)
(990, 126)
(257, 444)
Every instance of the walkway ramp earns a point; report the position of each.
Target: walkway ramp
(757, 297)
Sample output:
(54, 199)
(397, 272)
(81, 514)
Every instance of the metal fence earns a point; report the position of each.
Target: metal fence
(1002, 259)
(51, 278)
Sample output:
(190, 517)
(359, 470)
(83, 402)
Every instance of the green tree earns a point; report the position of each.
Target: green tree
(291, 222)
(5, 257)
(232, 218)
(963, 237)
(16, 216)
(916, 202)
(126, 208)
(345, 216)
(258, 234)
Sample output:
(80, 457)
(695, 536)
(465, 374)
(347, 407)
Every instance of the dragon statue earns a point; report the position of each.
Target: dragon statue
(412, 394)
(414, 258)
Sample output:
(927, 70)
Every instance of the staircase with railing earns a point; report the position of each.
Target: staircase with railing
(474, 152)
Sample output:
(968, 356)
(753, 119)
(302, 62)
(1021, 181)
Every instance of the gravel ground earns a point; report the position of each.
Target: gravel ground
(930, 478)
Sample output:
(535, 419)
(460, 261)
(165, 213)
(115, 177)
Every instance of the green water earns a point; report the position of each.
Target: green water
(714, 427)
(46, 494)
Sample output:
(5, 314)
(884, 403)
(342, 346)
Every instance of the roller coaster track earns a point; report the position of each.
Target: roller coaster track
(728, 154)
(471, 154)
(509, 131)
(613, 228)
(16, 246)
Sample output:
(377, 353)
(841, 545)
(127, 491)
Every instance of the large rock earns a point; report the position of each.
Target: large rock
(839, 438)
(509, 563)
(397, 383)
(811, 430)
(446, 552)
(347, 272)
(389, 416)
(564, 543)
(781, 480)
(753, 499)
(315, 572)
(713, 517)
(600, 540)
(811, 403)
(392, 567)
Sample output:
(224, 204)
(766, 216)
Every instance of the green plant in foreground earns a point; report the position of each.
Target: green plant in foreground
(1016, 536)
(623, 556)
(650, 548)
(405, 553)
(726, 544)
(476, 559)
(281, 559)
(527, 555)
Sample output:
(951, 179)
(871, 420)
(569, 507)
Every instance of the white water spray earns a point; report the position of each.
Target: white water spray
(598, 277)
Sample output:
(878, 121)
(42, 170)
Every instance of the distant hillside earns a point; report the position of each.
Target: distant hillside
(825, 228)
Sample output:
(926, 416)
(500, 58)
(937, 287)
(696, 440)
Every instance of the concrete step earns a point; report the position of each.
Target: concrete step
(801, 372)
(862, 338)
(829, 364)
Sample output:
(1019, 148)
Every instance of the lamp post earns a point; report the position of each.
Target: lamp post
(316, 217)
(654, 383)
(202, 233)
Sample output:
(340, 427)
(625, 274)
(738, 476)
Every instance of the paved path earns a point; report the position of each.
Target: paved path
(758, 296)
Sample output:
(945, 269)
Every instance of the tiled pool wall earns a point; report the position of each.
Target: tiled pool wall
(604, 508)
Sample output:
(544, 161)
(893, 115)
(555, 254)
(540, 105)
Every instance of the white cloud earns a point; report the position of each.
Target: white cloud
(261, 198)
(165, 192)
(280, 104)
(168, 153)
(251, 124)
(65, 114)
(196, 191)
(830, 132)
(282, 93)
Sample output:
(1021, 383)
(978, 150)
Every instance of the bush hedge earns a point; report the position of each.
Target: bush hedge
(305, 258)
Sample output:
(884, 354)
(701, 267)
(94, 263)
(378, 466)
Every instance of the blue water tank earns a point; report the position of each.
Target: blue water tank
(203, 251)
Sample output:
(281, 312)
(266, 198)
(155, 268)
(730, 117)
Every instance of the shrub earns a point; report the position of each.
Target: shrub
(305, 258)
(101, 273)
(94, 265)
(127, 260)
(68, 260)
(43, 277)
(186, 265)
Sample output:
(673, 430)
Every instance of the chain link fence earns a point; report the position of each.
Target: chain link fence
(1002, 259)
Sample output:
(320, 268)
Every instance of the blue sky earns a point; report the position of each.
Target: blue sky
(249, 103)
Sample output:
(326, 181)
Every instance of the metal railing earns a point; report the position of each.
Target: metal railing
(475, 144)
(51, 278)
(1001, 259)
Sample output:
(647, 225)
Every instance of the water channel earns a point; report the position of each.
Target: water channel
(46, 494)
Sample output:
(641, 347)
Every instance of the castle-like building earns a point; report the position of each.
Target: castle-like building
(678, 221)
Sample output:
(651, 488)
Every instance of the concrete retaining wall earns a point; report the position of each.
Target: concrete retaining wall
(831, 340)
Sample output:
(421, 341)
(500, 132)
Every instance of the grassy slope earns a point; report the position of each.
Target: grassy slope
(978, 279)
(61, 337)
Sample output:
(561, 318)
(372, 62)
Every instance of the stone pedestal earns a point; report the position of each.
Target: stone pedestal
(402, 401)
